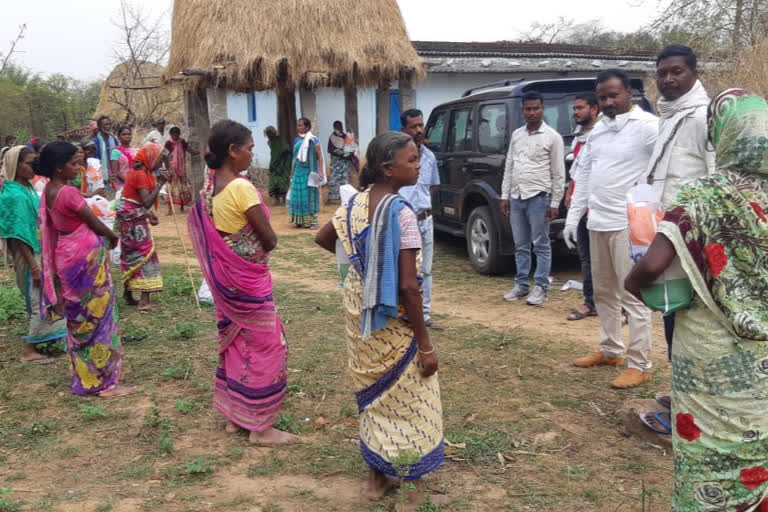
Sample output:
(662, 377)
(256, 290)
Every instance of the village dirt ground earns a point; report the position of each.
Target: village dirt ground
(528, 431)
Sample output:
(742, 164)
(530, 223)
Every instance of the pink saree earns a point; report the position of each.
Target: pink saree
(77, 283)
(251, 378)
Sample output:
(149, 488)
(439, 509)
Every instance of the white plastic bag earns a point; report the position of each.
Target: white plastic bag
(102, 208)
(114, 256)
(672, 290)
(204, 294)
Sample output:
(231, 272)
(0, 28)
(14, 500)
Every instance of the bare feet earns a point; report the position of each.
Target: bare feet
(231, 428)
(128, 296)
(36, 358)
(31, 355)
(272, 437)
(144, 304)
(417, 498)
(117, 391)
(379, 485)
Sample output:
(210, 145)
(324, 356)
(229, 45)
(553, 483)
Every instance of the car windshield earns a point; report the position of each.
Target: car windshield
(558, 113)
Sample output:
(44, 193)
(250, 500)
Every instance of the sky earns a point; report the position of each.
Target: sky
(75, 37)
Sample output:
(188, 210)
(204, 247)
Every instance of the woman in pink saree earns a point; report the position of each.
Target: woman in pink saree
(230, 231)
(76, 279)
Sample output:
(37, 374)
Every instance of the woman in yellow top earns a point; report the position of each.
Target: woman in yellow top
(232, 237)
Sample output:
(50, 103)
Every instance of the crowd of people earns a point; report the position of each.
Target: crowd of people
(65, 210)
(707, 162)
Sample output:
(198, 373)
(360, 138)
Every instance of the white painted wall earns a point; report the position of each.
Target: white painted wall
(435, 90)
(266, 115)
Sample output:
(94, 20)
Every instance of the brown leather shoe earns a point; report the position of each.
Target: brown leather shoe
(598, 359)
(631, 378)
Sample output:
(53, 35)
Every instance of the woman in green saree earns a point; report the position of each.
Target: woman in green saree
(718, 229)
(19, 203)
(280, 159)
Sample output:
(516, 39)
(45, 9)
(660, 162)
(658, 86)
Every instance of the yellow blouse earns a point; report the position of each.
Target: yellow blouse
(230, 205)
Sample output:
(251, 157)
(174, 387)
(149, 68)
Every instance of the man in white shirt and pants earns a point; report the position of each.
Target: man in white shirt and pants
(616, 158)
(681, 153)
(533, 186)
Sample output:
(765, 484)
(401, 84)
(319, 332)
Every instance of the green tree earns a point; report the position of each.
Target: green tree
(31, 105)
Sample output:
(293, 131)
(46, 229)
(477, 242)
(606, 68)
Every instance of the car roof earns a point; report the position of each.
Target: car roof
(518, 87)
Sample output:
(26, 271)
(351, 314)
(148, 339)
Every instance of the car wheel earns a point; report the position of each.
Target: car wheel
(482, 242)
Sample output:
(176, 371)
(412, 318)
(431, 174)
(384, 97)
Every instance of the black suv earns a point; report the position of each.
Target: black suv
(470, 137)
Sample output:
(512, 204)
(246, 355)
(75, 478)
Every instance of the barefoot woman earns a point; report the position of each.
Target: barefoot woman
(76, 279)
(391, 358)
(19, 203)
(138, 257)
(232, 237)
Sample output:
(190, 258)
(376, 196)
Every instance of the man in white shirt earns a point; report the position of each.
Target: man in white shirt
(681, 153)
(615, 158)
(533, 186)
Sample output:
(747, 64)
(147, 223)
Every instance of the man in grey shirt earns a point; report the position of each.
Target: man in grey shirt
(534, 177)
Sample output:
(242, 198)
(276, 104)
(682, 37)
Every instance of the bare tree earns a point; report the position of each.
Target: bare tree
(7, 57)
(556, 32)
(714, 24)
(590, 33)
(140, 54)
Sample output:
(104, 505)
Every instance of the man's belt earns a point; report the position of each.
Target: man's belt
(425, 214)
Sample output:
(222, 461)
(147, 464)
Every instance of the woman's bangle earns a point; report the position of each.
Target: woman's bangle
(427, 352)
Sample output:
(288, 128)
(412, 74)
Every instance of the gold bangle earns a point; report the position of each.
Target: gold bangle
(427, 352)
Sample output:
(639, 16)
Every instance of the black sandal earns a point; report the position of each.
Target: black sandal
(577, 314)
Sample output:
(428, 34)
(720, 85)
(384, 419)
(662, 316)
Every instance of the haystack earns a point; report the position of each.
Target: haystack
(259, 45)
(137, 96)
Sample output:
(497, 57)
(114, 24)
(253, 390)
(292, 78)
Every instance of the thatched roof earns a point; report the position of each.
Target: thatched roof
(256, 44)
(137, 94)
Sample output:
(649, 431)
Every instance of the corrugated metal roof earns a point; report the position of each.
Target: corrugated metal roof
(511, 49)
(532, 63)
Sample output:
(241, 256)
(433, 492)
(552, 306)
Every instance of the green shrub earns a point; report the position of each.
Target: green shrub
(12, 305)
(187, 330)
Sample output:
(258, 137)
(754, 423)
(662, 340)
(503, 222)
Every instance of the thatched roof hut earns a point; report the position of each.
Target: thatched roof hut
(291, 43)
(137, 94)
(287, 46)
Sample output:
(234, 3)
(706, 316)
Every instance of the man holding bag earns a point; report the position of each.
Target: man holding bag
(615, 158)
(681, 153)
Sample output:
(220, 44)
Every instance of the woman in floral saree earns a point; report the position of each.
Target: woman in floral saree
(138, 257)
(76, 279)
(391, 359)
(19, 204)
(230, 231)
(718, 229)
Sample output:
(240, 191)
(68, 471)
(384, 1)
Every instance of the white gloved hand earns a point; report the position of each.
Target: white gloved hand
(570, 235)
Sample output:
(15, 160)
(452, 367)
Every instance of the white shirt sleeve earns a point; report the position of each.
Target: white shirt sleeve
(580, 196)
(650, 131)
(557, 167)
(506, 184)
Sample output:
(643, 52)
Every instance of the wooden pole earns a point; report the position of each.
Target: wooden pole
(405, 85)
(382, 108)
(350, 110)
(183, 247)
